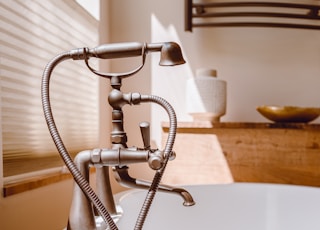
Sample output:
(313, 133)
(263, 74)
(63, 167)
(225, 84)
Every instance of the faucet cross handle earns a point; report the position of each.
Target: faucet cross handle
(145, 132)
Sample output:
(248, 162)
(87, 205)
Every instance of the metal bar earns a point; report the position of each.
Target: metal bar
(255, 14)
(256, 4)
(256, 24)
(188, 15)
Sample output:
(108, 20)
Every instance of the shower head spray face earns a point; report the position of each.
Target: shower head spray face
(171, 54)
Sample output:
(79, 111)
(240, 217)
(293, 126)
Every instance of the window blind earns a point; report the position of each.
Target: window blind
(32, 33)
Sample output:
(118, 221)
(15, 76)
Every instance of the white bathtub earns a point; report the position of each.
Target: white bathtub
(238, 206)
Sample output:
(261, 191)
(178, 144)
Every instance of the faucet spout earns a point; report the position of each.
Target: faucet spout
(122, 176)
(188, 199)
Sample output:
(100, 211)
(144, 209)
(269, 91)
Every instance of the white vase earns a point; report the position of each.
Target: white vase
(206, 96)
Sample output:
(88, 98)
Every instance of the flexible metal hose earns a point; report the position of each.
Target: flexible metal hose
(79, 179)
(167, 151)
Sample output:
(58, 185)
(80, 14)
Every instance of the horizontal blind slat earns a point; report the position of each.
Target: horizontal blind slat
(32, 33)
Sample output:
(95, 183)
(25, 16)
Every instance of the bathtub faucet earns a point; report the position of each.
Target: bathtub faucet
(88, 205)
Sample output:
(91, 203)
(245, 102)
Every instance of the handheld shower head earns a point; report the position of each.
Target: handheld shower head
(170, 51)
(170, 55)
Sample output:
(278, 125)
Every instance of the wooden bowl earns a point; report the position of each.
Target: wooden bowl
(289, 113)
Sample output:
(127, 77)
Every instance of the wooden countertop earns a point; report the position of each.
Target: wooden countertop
(226, 152)
(243, 125)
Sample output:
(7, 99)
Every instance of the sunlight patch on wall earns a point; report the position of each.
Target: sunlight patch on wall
(200, 160)
(167, 82)
(92, 6)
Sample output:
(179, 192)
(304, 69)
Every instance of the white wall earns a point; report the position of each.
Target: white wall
(262, 66)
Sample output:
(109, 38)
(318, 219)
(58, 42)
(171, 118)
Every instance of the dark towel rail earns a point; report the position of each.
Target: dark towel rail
(303, 16)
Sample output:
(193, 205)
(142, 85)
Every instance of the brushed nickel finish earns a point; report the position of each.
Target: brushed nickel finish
(88, 205)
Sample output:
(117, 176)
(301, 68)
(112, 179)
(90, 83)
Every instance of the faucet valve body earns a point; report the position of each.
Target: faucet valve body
(122, 157)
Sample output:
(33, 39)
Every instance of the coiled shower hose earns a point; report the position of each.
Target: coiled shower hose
(79, 179)
(167, 151)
